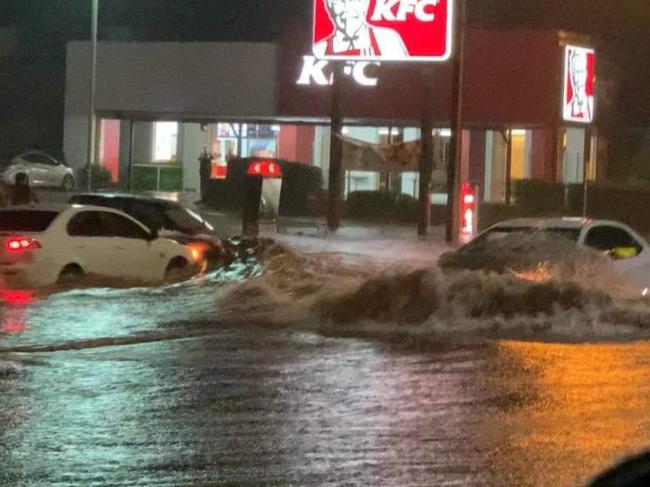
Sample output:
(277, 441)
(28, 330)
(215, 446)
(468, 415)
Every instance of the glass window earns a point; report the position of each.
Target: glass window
(165, 141)
(607, 238)
(496, 234)
(151, 215)
(118, 226)
(38, 158)
(183, 220)
(85, 224)
(26, 220)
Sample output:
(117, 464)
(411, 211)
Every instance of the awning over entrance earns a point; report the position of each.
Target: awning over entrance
(384, 158)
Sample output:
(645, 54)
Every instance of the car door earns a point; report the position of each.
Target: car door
(131, 246)
(96, 251)
(53, 171)
(629, 256)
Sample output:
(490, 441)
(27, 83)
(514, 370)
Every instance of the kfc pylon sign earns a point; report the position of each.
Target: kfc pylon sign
(579, 80)
(383, 30)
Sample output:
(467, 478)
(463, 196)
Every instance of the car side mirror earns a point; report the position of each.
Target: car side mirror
(154, 235)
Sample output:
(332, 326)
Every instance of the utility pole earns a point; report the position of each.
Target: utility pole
(455, 152)
(426, 155)
(92, 120)
(336, 151)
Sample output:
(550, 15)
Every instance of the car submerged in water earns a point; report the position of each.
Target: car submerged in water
(43, 245)
(516, 244)
(167, 218)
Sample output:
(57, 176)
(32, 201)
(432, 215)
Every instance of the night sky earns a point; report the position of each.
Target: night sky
(34, 79)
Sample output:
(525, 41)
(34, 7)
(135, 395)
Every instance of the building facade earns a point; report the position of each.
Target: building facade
(160, 104)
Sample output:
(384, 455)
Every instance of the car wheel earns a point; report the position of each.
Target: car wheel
(70, 274)
(68, 183)
(178, 269)
(20, 176)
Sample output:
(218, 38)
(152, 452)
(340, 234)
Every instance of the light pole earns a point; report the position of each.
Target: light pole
(456, 142)
(92, 122)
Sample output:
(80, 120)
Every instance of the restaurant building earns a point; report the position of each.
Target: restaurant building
(159, 104)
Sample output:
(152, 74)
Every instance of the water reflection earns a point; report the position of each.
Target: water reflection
(13, 304)
(582, 408)
(253, 406)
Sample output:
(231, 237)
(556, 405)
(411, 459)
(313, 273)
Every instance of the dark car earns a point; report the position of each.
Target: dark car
(165, 217)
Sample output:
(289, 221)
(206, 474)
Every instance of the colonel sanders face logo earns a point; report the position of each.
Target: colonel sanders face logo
(354, 37)
(349, 16)
(578, 93)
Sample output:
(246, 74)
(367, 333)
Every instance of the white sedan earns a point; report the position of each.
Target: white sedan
(629, 252)
(44, 245)
(41, 170)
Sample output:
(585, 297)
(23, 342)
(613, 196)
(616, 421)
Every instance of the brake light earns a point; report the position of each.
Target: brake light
(20, 244)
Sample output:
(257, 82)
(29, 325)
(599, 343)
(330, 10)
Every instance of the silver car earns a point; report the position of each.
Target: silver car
(41, 169)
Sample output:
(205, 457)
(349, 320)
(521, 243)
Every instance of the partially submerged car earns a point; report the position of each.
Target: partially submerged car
(46, 244)
(168, 218)
(507, 245)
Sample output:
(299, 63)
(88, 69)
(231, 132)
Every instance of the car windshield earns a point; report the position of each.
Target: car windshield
(183, 220)
(26, 220)
(499, 233)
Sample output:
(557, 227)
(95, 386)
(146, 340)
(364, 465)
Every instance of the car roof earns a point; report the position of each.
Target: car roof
(126, 196)
(59, 207)
(542, 223)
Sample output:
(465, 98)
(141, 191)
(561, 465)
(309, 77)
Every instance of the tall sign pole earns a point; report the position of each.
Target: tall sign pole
(456, 142)
(336, 151)
(365, 31)
(92, 120)
(426, 155)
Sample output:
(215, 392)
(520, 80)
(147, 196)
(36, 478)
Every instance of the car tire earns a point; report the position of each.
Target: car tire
(17, 177)
(70, 274)
(68, 183)
(178, 269)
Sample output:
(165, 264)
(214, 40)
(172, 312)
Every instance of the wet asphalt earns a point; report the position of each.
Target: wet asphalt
(250, 406)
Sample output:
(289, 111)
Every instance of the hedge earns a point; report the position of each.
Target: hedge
(381, 206)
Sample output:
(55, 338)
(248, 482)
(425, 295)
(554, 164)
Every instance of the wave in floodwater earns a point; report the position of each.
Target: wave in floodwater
(546, 288)
(533, 294)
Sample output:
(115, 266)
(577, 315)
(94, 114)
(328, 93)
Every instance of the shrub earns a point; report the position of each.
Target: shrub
(381, 206)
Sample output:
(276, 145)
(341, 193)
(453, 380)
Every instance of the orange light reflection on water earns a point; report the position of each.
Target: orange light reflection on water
(587, 406)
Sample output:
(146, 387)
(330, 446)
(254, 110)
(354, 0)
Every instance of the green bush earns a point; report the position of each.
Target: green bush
(100, 177)
(145, 177)
(381, 206)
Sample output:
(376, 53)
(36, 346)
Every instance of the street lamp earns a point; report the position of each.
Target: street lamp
(92, 122)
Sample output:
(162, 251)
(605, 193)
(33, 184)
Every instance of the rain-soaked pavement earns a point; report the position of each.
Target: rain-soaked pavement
(180, 385)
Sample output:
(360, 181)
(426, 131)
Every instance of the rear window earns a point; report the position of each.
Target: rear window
(496, 234)
(26, 220)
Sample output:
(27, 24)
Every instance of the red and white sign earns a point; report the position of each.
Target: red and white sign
(579, 81)
(383, 30)
(468, 213)
(265, 169)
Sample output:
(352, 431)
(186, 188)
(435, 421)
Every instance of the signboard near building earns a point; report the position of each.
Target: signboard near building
(579, 81)
(383, 30)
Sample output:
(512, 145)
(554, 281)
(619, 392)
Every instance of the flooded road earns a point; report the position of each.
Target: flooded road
(267, 376)
(253, 406)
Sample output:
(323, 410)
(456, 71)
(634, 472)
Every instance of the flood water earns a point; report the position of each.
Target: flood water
(250, 378)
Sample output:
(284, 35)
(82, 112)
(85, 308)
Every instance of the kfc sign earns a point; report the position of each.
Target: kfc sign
(383, 30)
(318, 72)
(579, 80)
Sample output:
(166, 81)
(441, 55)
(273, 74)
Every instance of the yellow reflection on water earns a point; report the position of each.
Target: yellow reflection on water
(580, 408)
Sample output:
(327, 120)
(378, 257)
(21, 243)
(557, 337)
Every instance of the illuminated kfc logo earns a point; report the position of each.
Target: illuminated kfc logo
(579, 84)
(383, 30)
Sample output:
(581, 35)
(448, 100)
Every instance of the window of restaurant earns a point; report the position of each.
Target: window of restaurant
(165, 141)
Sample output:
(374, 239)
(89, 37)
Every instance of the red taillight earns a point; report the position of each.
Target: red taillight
(20, 244)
